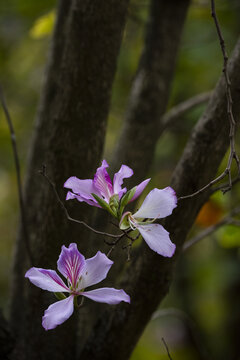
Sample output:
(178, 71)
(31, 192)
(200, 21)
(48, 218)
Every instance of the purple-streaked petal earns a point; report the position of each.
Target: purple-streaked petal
(84, 188)
(95, 270)
(107, 295)
(57, 313)
(46, 279)
(124, 172)
(102, 182)
(157, 239)
(71, 263)
(157, 204)
(92, 201)
(139, 189)
(122, 192)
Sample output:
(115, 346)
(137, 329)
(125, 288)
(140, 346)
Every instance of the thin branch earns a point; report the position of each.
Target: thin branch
(18, 175)
(211, 229)
(117, 237)
(166, 347)
(173, 114)
(115, 242)
(224, 187)
(44, 174)
(128, 247)
(206, 187)
(233, 154)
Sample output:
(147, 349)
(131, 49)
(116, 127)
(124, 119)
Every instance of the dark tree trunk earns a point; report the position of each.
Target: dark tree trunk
(68, 139)
(151, 88)
(142, 126)
(148, 278)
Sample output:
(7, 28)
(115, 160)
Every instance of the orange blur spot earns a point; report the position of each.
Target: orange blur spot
(209, 214)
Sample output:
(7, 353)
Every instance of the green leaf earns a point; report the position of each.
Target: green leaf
(104, 205)
(60, 295)
(126, 199)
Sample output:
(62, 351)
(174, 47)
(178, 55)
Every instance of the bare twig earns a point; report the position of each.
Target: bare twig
(166, 347)
(128, 247)
(224, 187)
(18, 175)
(233, 154)
(173, 114)
(211, 229)
(113, 244)
(206, 187)
(44, 174)
(116, 237)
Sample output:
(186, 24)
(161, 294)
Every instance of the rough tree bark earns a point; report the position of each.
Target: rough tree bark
(142, 127)
(150, 91)
(69, 138)
(148, 278)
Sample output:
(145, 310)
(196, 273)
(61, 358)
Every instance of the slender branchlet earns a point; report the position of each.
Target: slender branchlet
(232, 123)
(18, 175)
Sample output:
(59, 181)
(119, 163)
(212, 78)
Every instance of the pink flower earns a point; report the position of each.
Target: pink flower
(80, 273)
(157, 205)
(102, 186)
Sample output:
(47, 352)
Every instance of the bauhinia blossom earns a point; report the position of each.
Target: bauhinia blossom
(157, 204)
(80, 274)
(106, 192)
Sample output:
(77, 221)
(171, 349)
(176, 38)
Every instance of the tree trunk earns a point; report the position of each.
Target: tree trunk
(148, 102)
(68, 139)
(148, 277)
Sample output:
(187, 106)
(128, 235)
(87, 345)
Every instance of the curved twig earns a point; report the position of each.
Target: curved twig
(166, 347)
(18, 175)
(44, 174)
(233, 154)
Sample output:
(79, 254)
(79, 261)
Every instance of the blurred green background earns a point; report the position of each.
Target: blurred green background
(200, 318)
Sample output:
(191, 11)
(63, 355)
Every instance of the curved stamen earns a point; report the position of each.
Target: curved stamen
(132, 222)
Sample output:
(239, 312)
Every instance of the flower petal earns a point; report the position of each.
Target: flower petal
(95, 270)
(46, 279)
(157, 204)
(84, 188)
(139, 189)
(71, 263)
(124, 172)
(57, 313)
(107, 295)
(157, 239)
(91, 201)
(102, 182)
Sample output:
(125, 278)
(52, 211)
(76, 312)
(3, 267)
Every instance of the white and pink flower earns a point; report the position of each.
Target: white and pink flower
(158, 204)
(80, 274)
